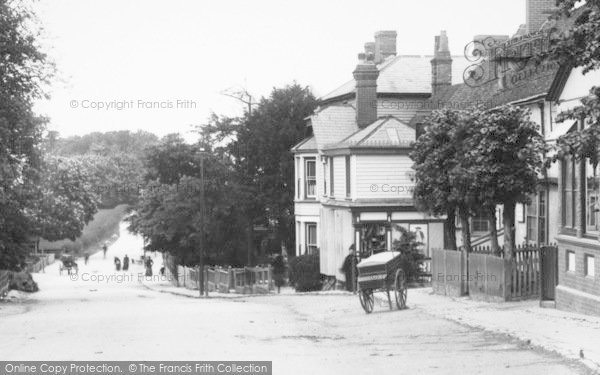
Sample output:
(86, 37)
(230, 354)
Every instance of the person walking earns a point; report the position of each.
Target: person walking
(104, 248)
(125, 263)
(86, 258)
(149, 264)
(117, 263)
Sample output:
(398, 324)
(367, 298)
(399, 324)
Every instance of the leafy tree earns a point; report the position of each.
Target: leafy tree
(24, 71)
(505, 160)
(264, 162)
(64, 202)
(434, 156)
(579, 47)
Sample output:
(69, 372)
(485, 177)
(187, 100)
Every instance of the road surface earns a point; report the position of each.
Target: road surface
(118, 318)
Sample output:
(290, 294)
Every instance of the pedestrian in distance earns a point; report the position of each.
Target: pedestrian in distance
(278, 265)
(125, 263)
(117, 263)
(104, 248)
(149, 264)
(86, 258)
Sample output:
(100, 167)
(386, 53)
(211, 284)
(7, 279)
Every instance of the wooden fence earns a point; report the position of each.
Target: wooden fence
(4, 283)
(487, 275)
(247, 280)
(40, 264)
(449, 272)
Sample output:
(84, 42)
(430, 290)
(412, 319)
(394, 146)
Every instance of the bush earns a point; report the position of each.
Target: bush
(305, 273)
(412, 257)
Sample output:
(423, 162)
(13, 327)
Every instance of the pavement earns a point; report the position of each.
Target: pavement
(102, 314)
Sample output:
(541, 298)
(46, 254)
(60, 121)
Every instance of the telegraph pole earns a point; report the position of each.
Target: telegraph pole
(202, 205)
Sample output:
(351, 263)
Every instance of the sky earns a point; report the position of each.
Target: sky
(163, 65)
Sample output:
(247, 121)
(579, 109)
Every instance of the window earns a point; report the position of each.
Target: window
(310, 178)
(331, 177)
(591, 197)
(299, 182)
(569, 192)
(324, 179)
(570, 261)
(311, 238)
(480, 222)
(536, 218)
(348, 186)
(590, 265)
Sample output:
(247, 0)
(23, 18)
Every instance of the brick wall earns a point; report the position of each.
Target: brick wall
(576, 291)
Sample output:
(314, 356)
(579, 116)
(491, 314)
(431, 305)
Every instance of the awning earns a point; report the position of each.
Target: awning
(560, 129)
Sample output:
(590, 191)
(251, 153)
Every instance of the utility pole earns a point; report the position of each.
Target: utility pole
(202, 205)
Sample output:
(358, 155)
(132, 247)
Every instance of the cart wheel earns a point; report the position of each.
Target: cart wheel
(366, 300)
(400, 289)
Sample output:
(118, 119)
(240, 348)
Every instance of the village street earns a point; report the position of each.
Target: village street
(302, 334)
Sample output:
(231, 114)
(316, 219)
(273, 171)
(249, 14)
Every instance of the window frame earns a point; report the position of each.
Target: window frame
(310, 247)
(571, 260)
(589, 271)
(312, 179)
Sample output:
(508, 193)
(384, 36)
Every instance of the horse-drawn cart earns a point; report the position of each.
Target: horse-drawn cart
(381, 273)
(68, 264)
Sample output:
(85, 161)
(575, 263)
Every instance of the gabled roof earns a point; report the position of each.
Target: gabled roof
(386, 132)
(333, 123)
(306, 145)
(404, 74)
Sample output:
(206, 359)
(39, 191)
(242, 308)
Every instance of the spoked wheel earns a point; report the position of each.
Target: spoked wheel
(400, 289)
(367, 301)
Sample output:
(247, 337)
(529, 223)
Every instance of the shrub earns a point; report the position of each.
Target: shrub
(412, 257)
(305, 273)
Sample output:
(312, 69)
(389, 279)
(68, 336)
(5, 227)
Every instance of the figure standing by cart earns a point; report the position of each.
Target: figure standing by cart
(349, 269)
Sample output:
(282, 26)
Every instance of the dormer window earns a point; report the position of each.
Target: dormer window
(310, 178)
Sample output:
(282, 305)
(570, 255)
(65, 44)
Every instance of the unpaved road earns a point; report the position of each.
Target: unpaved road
(320, 334)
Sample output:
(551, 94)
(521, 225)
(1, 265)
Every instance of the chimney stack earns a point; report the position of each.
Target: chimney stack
(441, 65)
(366, 74)
(538, 12)
(385, 45)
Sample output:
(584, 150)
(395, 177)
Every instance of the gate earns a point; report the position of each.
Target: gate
(549, 270)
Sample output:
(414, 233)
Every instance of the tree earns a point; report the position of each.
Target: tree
(434, 154)
(265, 164)
(505, 160)
(63, 201)
(579, 47)
(24, 70)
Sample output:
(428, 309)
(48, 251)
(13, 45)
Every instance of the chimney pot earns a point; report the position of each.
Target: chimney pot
(385, 45)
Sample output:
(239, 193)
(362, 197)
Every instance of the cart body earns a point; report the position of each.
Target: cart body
(381, 272)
